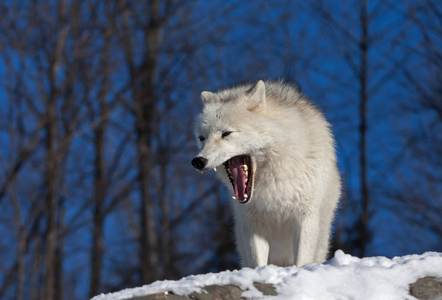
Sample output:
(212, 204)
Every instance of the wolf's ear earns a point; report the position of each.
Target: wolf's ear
(257, 97)
(208, 97)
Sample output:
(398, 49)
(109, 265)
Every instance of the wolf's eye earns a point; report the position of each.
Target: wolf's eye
(226, 133)
(201, 138)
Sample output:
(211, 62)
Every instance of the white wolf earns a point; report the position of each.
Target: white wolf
(279, 160)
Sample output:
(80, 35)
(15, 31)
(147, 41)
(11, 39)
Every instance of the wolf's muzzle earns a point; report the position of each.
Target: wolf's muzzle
(199, 162)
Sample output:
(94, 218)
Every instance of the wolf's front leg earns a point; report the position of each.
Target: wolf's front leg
(253, 249)
(305, 240)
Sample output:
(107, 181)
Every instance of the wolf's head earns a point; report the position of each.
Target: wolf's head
(233, 130)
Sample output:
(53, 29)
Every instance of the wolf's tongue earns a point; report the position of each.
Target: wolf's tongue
(239, 178)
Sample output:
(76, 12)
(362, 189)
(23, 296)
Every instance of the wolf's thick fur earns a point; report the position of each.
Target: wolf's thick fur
(296, 183)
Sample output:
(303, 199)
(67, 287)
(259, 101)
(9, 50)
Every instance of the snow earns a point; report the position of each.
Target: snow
(342, 277)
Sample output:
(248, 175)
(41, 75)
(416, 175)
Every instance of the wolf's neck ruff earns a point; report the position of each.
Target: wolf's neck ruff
(240, 172)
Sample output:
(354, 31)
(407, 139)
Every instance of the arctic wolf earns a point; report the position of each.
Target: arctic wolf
(278, 159)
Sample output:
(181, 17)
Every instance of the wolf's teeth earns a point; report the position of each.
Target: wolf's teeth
(245, 167)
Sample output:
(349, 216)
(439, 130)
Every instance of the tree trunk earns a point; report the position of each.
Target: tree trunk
(100, 184)
(145, 113)
(364, 237)
(51, 201)
(165, 214)
(98, 217)
(148, 239)
(21, 263)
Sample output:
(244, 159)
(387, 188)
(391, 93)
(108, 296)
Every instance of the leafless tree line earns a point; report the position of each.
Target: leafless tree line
(96, 190)
(88, 128)
(391, 50)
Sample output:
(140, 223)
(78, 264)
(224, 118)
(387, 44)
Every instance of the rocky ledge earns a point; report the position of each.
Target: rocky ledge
(427, 288)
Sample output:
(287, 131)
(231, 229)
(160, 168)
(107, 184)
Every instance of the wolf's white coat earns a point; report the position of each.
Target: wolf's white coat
(296, 183)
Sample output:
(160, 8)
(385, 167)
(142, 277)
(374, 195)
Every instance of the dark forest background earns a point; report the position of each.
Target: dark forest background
(97, 100)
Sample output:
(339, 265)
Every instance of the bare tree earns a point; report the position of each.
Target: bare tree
(420, 81)
(366, 49)
(152, 60)
(48, 75)
(100, 181)
(142, 82)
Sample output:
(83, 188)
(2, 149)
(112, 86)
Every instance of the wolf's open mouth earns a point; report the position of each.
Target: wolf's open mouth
(240, 172)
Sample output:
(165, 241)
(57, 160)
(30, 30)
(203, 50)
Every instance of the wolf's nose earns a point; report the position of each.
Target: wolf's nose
(199, 162)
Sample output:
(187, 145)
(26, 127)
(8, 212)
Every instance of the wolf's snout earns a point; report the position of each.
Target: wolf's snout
(199, 162)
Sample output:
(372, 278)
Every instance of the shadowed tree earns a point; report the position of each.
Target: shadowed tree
(366, 48)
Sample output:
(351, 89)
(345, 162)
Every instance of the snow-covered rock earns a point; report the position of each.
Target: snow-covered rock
(342, 277)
